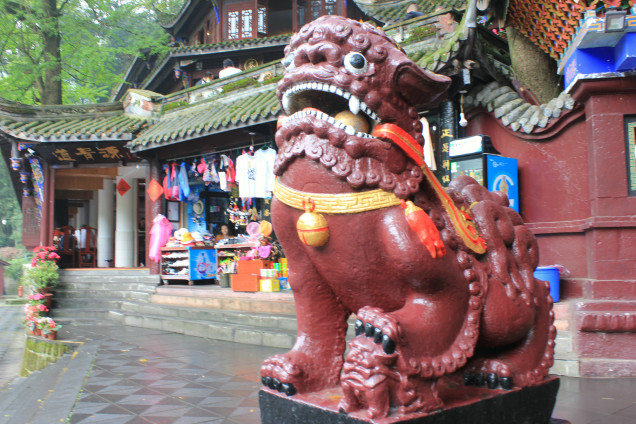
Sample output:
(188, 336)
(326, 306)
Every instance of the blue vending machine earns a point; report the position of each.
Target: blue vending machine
(476, 157)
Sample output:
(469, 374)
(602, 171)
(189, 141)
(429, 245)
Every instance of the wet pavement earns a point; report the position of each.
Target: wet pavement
(137, 375)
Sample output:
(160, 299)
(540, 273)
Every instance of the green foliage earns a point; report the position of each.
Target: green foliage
(10, 212)
(237, 85)
(174, 105)
(248, 82)
(14, 270)
(44, 274)
(43, 271)
(98, 39)
(420, 33)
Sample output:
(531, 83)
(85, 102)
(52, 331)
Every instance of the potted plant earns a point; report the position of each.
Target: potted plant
(31, 324)
(43, 273)
(33, 310)
(49, 328)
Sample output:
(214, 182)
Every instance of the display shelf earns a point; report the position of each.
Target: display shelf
(235, 246)
(200, 263)
(232, 250)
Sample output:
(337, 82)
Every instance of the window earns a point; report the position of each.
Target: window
(318, 8)
(246, 23)
(262, 20)
(331, 8)
(232, 25)
(301, 13)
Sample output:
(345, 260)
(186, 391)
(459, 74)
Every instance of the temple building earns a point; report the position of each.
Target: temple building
(572, 158)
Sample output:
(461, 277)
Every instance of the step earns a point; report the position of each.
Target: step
(13, 300)
(64, 293)
(214, 297)
(285, 322)
(89, 280)
(79, 314)
(236, 333)
(101, 285)
(93, 302)
(49, 395)
(105, 271)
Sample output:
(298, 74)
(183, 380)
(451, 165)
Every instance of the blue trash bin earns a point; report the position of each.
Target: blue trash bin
(551, 275)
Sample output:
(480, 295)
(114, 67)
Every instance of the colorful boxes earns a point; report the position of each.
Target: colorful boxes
(252, 266)
(245, 283)
(269, 285)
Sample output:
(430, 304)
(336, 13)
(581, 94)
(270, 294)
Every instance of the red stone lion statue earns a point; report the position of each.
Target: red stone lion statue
(441, 281)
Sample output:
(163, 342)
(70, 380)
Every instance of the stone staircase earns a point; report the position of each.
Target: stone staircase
(88, 296)
(134, 298)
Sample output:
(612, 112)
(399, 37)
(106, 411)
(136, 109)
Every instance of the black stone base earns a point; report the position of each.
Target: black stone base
(469, 405)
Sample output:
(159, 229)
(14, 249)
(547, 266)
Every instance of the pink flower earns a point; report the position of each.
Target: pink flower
(42, 308)
(54, 256)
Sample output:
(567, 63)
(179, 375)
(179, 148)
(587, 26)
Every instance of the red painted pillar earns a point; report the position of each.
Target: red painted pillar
(152, 209)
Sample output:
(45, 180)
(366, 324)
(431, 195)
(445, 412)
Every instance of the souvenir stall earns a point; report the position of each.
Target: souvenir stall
(216, 223)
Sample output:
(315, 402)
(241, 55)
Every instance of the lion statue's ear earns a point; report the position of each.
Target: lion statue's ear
(420, 87)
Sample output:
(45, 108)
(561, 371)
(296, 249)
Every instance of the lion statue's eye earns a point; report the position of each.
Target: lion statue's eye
(356, 63)
(288, 61)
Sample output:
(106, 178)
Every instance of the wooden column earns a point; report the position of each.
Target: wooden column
(152, 210)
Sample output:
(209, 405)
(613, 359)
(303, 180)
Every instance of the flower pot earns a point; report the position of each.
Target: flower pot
(37, 332)
(51, 336)
(44, 290)
(48, 300)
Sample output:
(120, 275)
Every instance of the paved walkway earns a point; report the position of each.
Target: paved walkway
(11, 342)
(139, 376)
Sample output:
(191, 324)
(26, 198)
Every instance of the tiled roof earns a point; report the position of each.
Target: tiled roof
(513, 111)
(68, 123)
(394, 11)
(237, 109)
(434, 52)
(192, 52)
(232, 45)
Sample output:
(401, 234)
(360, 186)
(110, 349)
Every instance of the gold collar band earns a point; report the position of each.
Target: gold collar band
(337, 203)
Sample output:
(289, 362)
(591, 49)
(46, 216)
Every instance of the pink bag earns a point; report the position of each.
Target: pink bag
(159, 236)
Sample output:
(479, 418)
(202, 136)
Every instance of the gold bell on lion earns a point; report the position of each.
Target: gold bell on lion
(312, 227)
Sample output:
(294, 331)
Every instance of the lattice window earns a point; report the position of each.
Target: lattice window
(331, 7)
(233, 25)
(246, 23)
(316, 9)
(301, 13)
(262, 20)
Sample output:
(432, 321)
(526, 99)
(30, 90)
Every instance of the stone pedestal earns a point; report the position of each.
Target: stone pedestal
(474, 405)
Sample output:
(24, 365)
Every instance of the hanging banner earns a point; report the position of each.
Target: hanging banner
(122, 187)
(155, 190)
(38, 181)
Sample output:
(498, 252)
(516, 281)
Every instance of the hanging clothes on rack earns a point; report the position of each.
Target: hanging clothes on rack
(222, 172)
(268, 156)
(167, 187)
(184, 184)
(175, 182)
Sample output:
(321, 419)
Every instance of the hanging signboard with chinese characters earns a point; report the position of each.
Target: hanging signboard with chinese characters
(81, 153)
(38, 181)
(630, 149)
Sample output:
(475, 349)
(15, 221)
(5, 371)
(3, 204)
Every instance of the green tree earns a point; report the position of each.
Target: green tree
(10, 213)
(74, 51)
